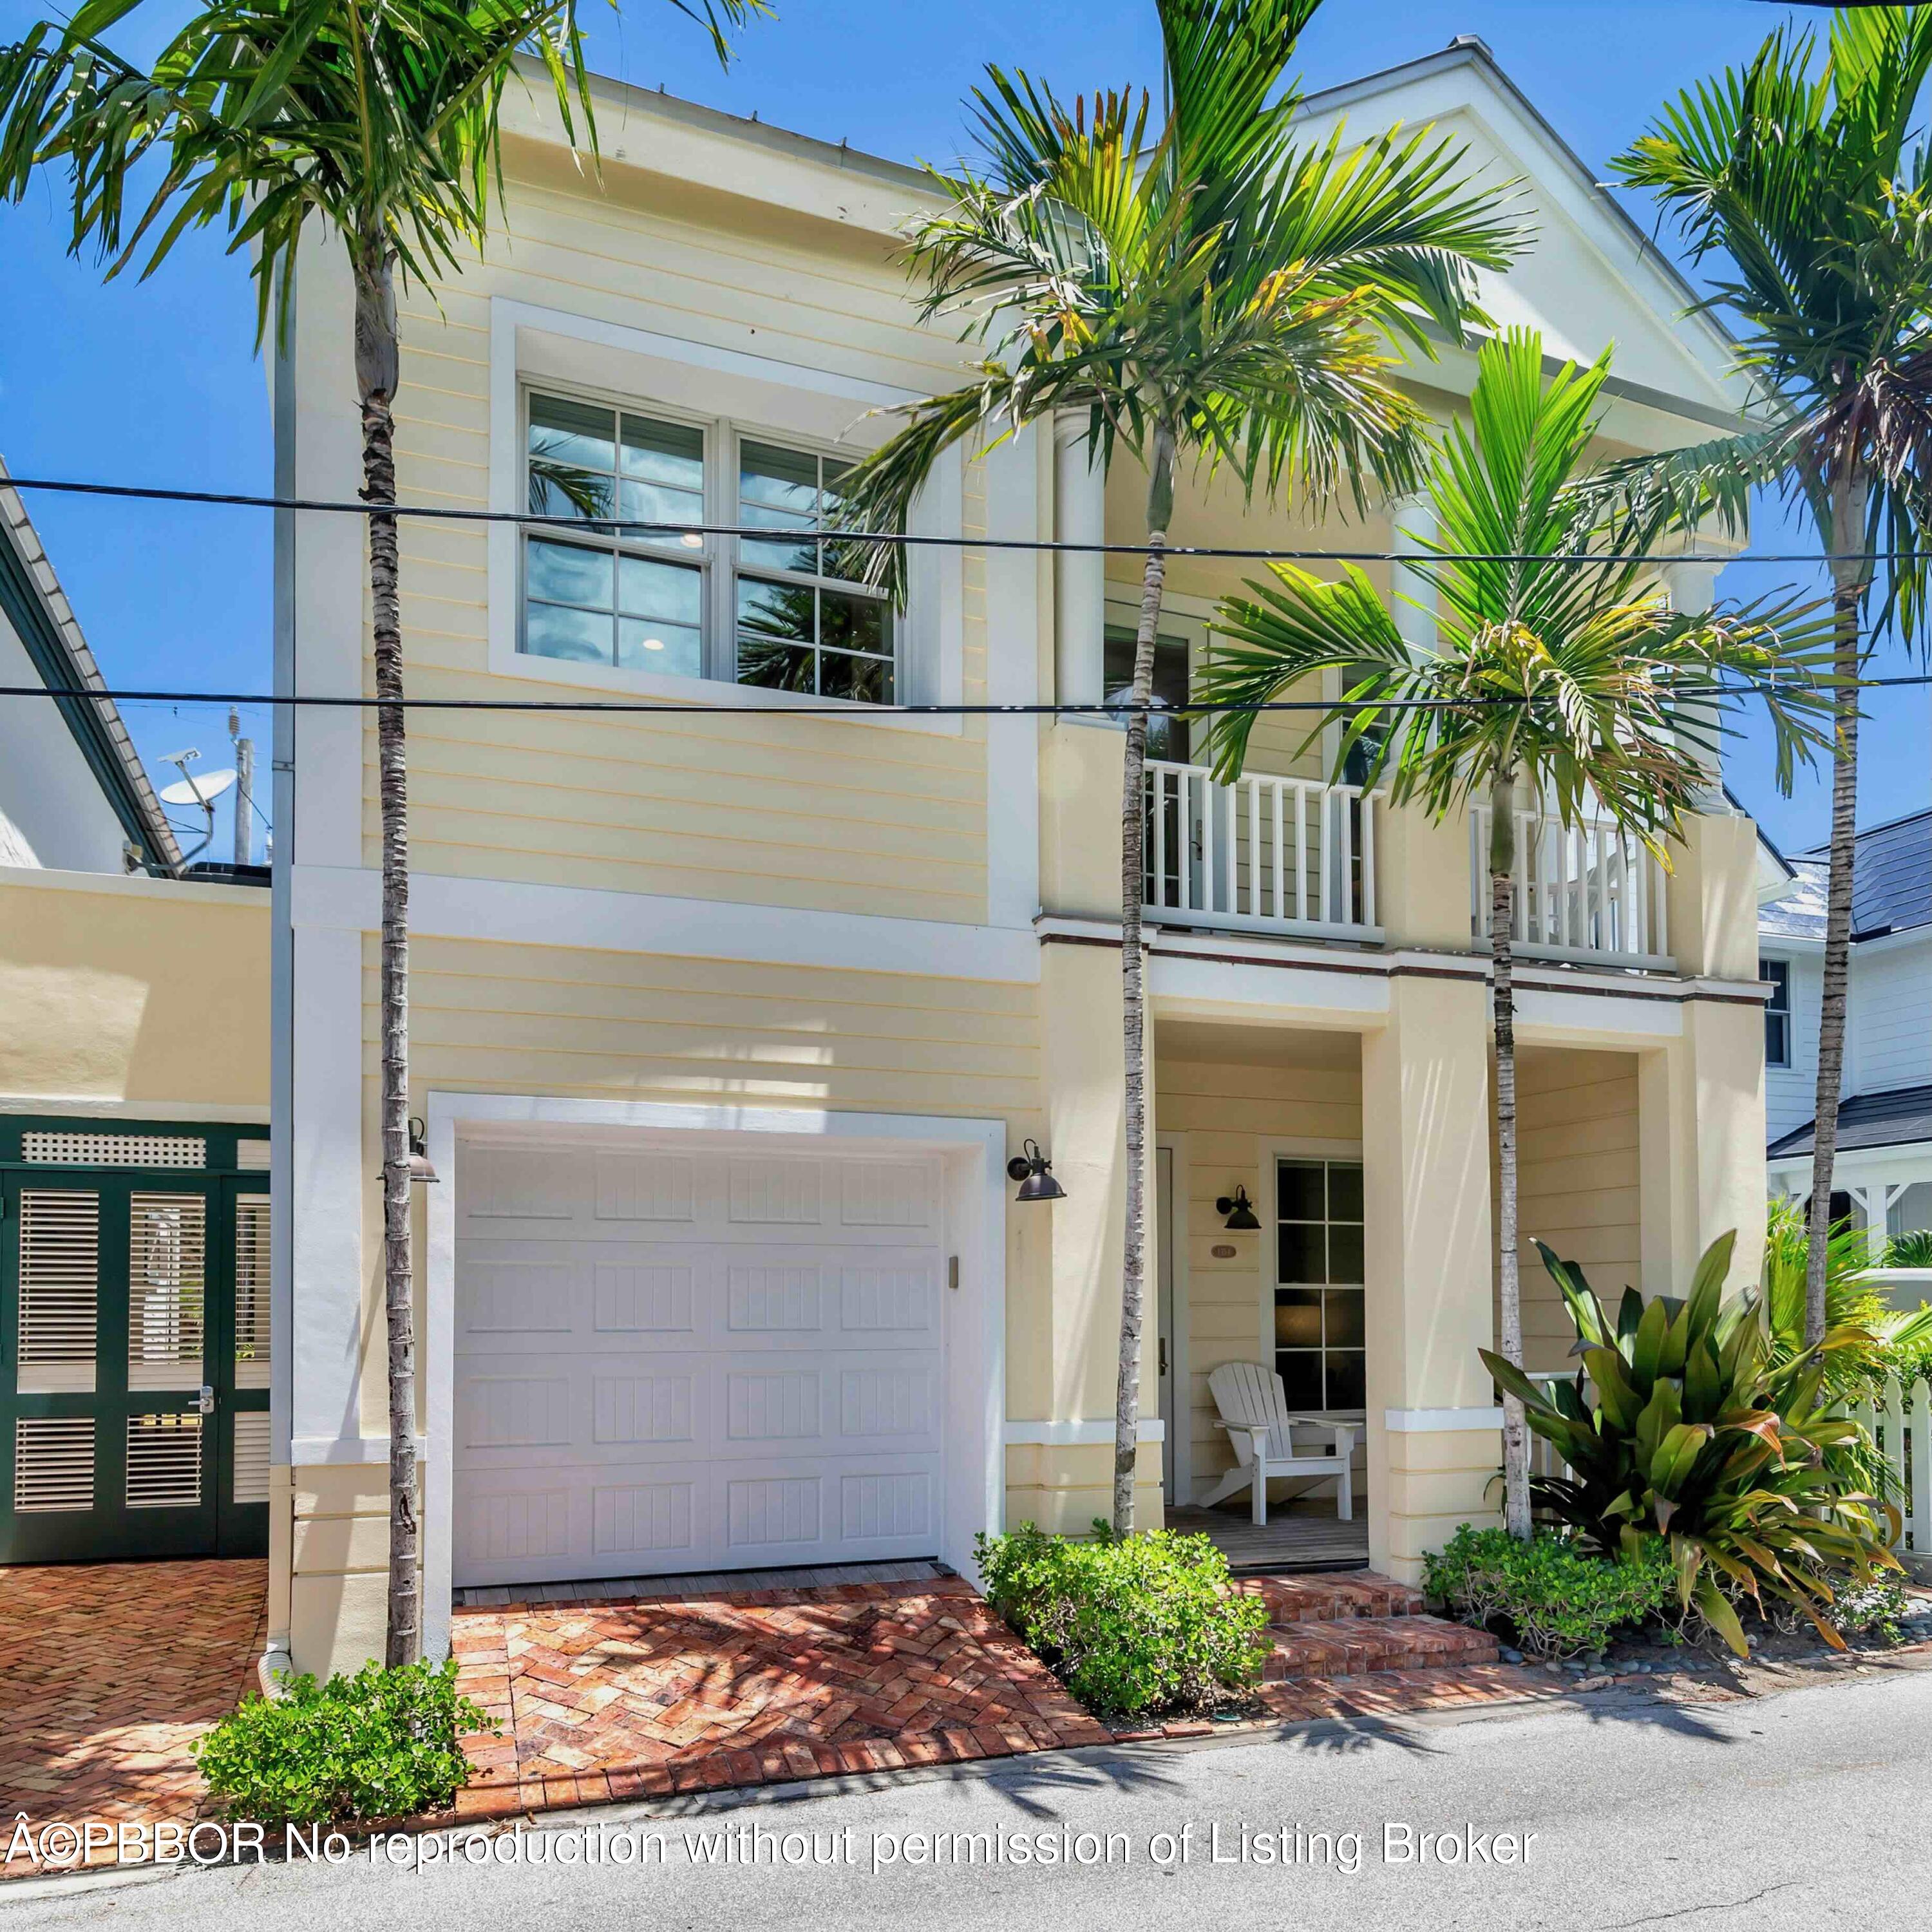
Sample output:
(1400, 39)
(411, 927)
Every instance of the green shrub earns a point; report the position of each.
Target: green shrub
(1561, 1598)
(1865, 1609)
(1680, 1423)
(383, 1744)
(1133, 1626)
(1911, 1249)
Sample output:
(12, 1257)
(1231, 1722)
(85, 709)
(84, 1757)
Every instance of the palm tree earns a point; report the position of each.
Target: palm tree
(1567, 679)
(1804, 185)
(379, 120)
(1203, 288)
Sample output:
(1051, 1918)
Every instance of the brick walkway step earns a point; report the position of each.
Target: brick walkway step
(1305, 1599)
(1356, 1646)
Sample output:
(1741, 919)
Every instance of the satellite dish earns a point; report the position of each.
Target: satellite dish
(202, 790)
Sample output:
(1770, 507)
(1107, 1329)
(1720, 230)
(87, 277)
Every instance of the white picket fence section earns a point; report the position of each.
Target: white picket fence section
(1265, 854)
(1901, 1426)
(1583, 892)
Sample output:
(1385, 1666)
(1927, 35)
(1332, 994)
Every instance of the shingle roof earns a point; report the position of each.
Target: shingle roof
(1892, 885)
(1893, 1119)
(1800, 914)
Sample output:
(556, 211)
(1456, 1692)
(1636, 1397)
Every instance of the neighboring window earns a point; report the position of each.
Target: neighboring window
(805, 622)
(1355, 766)
(1167, 736)
(787, 614)
(1776, 1011)
(1319, 1329)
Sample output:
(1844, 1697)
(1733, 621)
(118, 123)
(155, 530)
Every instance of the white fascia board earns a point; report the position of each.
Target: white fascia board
(1538, 1009)
(513, 911)
(641, 129)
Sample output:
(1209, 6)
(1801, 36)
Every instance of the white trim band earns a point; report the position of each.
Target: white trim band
(1076, 1434)
(313, 1451)
(1432, 1421)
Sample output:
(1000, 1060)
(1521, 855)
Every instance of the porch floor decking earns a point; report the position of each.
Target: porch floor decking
(1298, 1535)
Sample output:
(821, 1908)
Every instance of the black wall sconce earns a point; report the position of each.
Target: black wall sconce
(420, 1169)
(1034, 1173)
(1239, 1211)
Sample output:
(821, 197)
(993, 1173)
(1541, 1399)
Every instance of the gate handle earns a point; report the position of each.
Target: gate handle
(205, 1401)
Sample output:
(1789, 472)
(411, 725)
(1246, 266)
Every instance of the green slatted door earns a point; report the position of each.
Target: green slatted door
(134, 1352)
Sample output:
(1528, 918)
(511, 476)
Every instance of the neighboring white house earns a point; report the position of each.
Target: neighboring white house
(74, 797)
(1884, 1167)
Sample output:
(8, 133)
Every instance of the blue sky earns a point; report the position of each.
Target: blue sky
(158, 382)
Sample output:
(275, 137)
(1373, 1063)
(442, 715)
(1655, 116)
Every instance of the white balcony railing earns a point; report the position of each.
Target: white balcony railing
(1265, 854)
(1590, 892)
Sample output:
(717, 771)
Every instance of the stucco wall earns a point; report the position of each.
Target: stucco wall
(132, 993)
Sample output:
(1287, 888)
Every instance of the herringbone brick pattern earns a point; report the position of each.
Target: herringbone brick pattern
(657, 1695)
(111, 1670)
(669, 1695)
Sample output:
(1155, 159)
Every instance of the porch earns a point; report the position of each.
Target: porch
(1299, 1536)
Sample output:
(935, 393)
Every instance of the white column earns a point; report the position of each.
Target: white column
(1080, 577)
(1412, 527)
(1693, 588)
(1015, 592)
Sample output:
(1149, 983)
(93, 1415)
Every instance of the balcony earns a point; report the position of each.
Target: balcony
(1291, 857)
(1591, 893)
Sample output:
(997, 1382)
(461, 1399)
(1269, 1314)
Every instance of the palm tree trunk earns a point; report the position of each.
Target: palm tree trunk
(1509, 1287)
(1850, 572)
(377, 368)
(1133, 982)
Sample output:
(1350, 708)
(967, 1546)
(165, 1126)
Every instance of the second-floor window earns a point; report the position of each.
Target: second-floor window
(1776, 1011)
(789, 613)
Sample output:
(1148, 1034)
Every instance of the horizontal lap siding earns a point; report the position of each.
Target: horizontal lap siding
(1577, 1186)
(563, 1020)
(807, 813)
(1228, 1113)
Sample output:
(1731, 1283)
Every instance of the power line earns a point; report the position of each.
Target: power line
(836, 708)
(612, 526)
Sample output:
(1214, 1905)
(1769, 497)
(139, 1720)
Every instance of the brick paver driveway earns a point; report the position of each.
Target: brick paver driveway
(618, 1700)
(108, 1671)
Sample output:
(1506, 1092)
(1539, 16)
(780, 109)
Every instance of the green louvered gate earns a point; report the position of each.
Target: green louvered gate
(134, 1342)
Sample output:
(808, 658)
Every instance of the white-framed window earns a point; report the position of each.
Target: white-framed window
(1320, 1326)
(1776, 1011)
(787, 613)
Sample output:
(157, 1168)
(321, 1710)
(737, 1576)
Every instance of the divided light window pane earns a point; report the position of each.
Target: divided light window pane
(805, 622)
(592, 599)
(1320, 1325)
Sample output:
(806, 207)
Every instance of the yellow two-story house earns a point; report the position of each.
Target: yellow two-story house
(727, 1017)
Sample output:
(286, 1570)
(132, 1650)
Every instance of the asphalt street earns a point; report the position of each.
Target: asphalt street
(1806, 1807)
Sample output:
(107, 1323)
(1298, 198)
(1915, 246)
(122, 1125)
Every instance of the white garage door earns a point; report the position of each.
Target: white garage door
(670, 1360)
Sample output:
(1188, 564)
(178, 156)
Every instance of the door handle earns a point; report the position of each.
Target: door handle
(1163, 1355)
(205, 1401)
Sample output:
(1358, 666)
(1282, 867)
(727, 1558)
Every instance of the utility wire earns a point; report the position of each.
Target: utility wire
(611, 526)
(837, 708)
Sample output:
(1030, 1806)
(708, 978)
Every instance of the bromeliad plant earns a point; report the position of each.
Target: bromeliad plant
(1679, 1424)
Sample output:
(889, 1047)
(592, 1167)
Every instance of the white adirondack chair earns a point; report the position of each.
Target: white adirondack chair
(1255, 1413)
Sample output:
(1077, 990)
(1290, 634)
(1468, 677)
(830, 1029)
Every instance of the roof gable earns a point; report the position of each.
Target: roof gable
(1589, 276)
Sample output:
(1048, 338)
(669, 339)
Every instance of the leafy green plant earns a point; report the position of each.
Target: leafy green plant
(1133, 1625)
(1851, 1303)
(1876, 1609)
(383, 1744)
(1560, 1597)
(1679, 1424)
(1911, 1249)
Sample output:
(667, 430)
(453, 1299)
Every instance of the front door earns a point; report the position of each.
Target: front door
(133, 1364)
